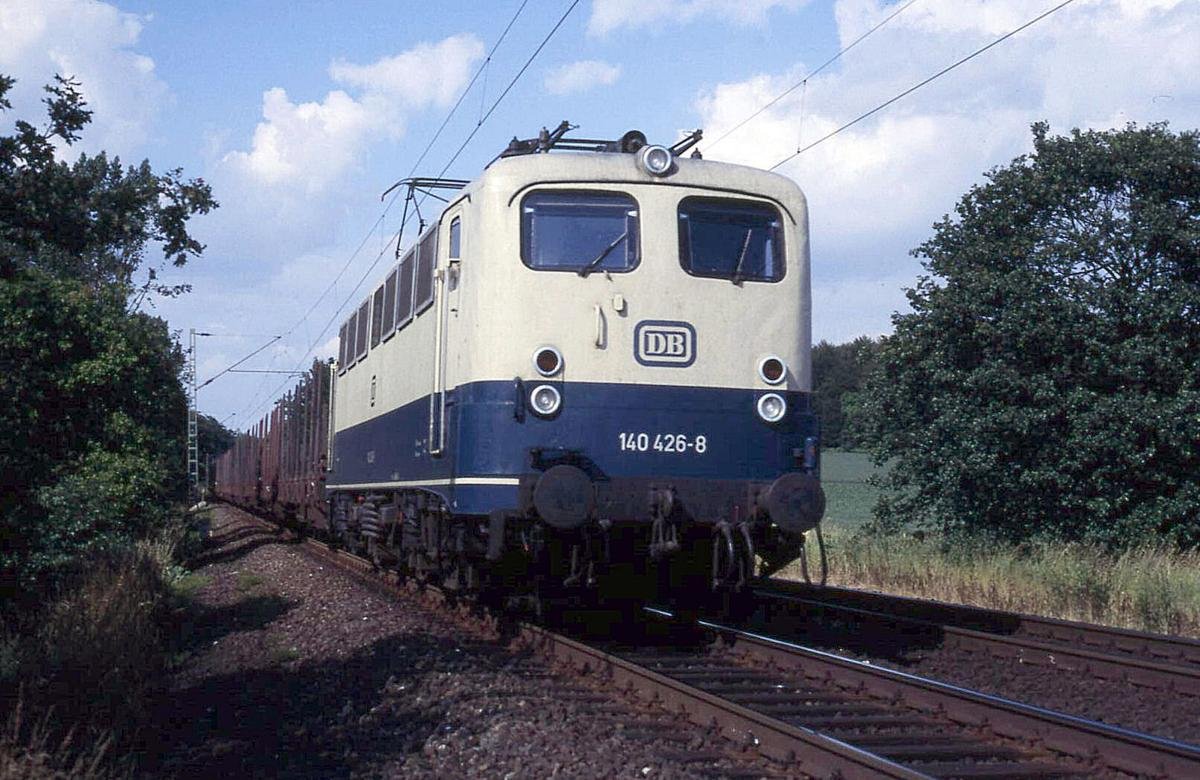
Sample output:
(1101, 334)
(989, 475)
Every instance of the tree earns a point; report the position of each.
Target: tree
(212, 437)
(1046, 382)
(92, 411)
(92, 220)
(839, 371)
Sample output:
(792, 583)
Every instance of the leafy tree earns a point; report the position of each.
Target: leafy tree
(94, 219)
(838, 371)
(92, 411)
(1047, 381)
(212, 437)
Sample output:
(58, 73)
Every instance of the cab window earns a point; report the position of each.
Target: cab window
(579, 231)
(455, 237)
(731, 239)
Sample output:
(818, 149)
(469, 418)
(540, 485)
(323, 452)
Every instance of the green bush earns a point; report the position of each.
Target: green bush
(106, 503)
(95, 417)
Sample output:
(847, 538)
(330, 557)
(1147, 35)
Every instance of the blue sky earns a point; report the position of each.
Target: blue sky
(300, 114)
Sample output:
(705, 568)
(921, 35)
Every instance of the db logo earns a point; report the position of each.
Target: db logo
(664, 343)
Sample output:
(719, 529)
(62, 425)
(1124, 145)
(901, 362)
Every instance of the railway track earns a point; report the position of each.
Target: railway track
(1165, 663)
(823, 715)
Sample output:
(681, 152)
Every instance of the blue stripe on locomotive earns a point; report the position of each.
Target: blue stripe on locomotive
(488, 436)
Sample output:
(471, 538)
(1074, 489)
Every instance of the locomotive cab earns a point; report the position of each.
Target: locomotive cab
(602, 379)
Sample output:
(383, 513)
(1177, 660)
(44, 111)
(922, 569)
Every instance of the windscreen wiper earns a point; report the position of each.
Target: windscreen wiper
(737, 267)
(598, 259)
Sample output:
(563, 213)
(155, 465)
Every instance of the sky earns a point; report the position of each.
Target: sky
(300, 114)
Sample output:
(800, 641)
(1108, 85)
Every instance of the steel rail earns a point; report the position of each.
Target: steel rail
(1184, 650)
(1103, 745)
(1174, 678)
(803, 749)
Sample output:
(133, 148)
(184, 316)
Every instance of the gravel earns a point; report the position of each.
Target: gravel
(291, 667)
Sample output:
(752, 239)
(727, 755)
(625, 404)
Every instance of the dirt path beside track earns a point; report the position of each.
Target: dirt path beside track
(293, 668)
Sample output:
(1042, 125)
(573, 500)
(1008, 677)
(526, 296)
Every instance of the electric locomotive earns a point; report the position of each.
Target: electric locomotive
(590, 374)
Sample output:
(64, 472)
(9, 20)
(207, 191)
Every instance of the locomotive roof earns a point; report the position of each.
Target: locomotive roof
(512, 175)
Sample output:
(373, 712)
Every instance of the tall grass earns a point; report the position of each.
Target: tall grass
(30, 751)
(80, 679)
(1151, 589)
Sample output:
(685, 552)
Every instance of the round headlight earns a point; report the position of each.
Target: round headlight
(656, 160)
(772, 370)
(545, 400)
(547, 360)
(772, 407)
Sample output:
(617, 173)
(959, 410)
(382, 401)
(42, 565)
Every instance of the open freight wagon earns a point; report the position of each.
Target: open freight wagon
(278, 466)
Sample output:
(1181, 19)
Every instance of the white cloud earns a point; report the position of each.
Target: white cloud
(875, 189)
(581, 76)
(95, 43)
(427, 74)
(308, 143)
(608, 15)
(307, 147)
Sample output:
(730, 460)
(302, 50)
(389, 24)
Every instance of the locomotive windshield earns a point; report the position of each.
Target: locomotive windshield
(579, 231)
(730, 239)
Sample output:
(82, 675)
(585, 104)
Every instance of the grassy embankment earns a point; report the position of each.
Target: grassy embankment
(1148, 588)
(79, 679)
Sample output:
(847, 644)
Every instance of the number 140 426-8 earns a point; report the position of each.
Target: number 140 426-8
(663, 442)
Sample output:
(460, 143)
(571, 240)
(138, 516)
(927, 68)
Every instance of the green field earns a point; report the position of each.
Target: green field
(849, 498)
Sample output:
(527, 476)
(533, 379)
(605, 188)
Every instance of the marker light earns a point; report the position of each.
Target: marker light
(772, 370)
(545, 400)
(548, 361)
(655, 160)
(771, 407)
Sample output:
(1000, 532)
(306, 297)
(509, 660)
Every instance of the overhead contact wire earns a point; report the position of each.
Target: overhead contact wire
(219, 374)
(424, 153)
(804, 80)
(464, 144)
(511, 84)
(915, 87)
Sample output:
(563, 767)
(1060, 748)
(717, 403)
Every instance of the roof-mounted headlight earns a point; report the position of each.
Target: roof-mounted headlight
(772, 407)
(655, 160)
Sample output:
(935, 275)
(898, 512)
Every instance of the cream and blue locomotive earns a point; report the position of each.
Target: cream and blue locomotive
(591, 374)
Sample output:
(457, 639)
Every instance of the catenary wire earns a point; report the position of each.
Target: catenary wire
(481, 70)
(511, 84)
(219, 374)
(445, 168)
(917, 86)
(428, 146)
(803, 81)
(378, 222)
